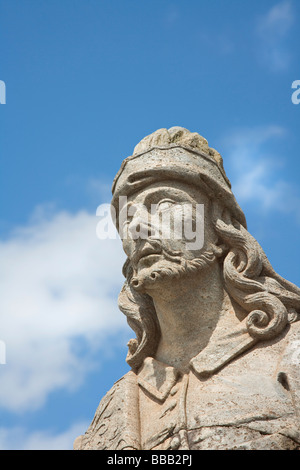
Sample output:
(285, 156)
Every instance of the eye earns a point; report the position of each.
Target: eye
(165, 204)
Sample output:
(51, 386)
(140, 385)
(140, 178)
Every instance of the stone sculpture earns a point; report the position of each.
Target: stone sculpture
(216, 359)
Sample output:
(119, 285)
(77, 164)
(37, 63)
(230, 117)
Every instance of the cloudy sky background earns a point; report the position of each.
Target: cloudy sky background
(86, 80)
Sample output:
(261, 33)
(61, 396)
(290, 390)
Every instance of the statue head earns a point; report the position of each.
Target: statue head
(173, 177)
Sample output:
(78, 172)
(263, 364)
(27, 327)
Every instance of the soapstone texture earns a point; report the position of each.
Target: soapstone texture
(215, 363)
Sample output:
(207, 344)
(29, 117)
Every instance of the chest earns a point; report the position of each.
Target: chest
(214, 413)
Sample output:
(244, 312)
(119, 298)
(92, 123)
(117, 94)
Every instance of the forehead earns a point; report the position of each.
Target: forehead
(175, 190)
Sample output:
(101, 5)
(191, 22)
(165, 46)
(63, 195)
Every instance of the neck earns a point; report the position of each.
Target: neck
(188, 310)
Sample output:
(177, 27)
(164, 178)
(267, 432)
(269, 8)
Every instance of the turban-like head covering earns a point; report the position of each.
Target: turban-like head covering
(176, 154)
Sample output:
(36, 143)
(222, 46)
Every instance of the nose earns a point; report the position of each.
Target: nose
(137, 230)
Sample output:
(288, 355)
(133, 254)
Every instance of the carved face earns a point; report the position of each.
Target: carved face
(164, 227)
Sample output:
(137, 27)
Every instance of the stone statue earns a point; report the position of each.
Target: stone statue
(216, 359)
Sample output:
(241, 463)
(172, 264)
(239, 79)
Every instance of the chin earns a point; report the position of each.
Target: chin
(147, 278)
(152, 277)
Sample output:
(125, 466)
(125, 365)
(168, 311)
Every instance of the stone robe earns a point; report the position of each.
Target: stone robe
(237, 395)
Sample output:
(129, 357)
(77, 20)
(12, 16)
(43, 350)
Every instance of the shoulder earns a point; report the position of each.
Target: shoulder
(111, 427)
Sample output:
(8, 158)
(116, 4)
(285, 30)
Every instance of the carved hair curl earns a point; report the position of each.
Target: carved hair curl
(270, 302)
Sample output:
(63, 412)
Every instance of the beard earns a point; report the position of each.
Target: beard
(170, 265)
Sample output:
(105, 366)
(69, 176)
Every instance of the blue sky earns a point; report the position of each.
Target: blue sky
(86, 80)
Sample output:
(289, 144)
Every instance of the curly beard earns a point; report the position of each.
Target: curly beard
(171, 265)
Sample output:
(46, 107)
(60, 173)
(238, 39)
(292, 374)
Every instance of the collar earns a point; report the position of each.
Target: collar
(225, 344)
(157, 378)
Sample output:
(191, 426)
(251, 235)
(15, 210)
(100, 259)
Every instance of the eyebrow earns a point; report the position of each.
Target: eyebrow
(159, 193)
(163, 192)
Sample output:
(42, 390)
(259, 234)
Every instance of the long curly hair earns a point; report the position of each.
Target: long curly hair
(269, 301)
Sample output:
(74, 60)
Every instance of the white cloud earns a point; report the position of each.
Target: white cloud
(18, 438)
(254, 170)
(272, 31)
(58, 291)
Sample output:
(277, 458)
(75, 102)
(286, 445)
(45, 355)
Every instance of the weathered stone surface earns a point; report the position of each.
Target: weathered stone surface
(216, 358)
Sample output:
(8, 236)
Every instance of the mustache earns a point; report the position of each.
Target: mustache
(155, 246)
